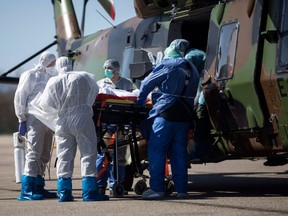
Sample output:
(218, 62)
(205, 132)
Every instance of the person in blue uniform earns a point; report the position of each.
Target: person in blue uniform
(177, 82)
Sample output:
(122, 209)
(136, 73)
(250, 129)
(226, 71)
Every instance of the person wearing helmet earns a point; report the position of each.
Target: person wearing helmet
(112, 77)
(39, 136)
(70, 96)
(177, 81)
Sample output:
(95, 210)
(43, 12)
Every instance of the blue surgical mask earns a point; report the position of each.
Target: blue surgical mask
(109, 73)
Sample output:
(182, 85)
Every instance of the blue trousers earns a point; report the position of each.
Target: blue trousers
(108, 174)
(168, 139)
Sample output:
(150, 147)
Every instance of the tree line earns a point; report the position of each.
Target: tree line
(8, 119)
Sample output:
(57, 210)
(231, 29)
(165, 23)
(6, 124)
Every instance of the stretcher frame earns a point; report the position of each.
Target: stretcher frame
(124, 115)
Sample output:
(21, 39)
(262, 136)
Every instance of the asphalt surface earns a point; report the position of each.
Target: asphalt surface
(238, 187)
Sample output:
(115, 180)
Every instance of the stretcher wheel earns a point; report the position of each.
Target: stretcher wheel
(140, 187)
(118, 190)
(169, 186)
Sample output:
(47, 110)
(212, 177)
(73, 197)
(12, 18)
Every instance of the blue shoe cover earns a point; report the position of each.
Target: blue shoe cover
(29, 196)
(96, 196)
(39, 188)
(28, 189)
(65, 189)
(90, 190)
(66, 196)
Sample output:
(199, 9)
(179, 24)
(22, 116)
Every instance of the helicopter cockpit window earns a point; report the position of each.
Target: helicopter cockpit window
(226, 51)
(283, 60)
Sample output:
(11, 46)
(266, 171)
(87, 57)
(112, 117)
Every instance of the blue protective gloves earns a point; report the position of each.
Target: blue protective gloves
(22, 128)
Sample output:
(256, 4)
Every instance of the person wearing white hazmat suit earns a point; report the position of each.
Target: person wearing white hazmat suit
(71, 95)
(38, 135)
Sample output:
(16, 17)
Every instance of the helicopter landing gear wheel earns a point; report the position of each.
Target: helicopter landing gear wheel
(140, 187)
(169, 186)
(118, 190)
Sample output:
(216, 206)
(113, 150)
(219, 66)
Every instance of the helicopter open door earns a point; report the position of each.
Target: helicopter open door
(233, 64)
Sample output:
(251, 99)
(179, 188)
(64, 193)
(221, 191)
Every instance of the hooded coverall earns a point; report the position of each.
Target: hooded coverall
(38, 135)
(168, 137)
(72, 95)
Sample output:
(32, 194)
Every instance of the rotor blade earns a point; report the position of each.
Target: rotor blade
(28, 59)
(108, 5)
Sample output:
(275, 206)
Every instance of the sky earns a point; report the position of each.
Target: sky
(28, 26)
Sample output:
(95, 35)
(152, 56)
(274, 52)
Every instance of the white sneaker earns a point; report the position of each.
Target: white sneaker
(182, 195)
(152, 195)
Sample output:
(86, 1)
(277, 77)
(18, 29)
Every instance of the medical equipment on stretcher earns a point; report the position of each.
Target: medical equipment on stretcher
(123, 115)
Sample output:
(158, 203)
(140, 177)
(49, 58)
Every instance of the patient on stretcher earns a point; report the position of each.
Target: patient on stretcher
(119, 92)
(113, 86)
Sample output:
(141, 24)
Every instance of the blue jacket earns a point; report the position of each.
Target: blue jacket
(170, 78)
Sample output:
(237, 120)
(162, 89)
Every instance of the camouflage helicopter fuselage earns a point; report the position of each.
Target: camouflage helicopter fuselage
(245, 84)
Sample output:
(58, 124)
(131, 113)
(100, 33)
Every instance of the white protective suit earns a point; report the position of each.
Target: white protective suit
(40, 137)
(72, 95)
(63, 65)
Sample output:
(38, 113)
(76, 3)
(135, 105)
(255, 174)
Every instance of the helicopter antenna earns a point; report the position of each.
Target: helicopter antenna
(106, 19)
(83, 17)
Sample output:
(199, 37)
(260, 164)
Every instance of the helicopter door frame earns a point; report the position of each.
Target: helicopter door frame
(283, 42)
(226, 54)
(239, 89)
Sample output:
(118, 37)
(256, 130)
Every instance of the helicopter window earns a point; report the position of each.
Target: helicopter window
(284, 37)
(226, 51)
(128, 39)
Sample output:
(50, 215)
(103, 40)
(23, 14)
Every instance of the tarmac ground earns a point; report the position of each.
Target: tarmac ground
(235, 187)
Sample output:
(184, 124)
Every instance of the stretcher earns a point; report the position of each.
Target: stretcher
(125, 116)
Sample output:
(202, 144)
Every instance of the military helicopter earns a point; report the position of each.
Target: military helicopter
(244, 84)
(245, 80)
